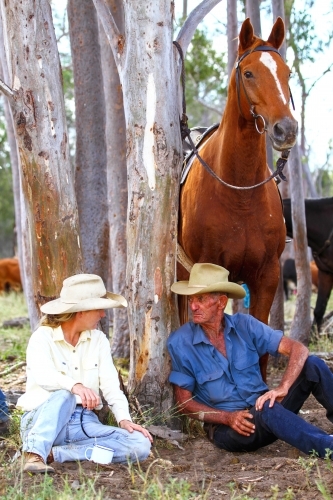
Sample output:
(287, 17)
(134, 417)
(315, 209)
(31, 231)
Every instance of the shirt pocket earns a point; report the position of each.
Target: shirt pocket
(247, 360)
(61, 366)
(91, 373)
(211, 385)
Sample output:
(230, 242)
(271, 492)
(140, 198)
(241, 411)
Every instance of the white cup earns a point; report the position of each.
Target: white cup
(100, 454)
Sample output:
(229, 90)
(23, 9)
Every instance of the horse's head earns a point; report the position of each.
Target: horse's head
(262, 85)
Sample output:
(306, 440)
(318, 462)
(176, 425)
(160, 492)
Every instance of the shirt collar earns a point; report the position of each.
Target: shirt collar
(58, 335)
(200, 336)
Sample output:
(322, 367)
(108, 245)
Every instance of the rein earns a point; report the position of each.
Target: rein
(185, 131)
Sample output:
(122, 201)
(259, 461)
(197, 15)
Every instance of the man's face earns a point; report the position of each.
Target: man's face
(205, 307)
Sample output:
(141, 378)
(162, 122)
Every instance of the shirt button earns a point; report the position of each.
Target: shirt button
(73, 351)
(75, 368)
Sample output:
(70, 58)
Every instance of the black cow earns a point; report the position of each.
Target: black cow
(319, 228)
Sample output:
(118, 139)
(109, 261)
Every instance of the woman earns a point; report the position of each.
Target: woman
(68, 363)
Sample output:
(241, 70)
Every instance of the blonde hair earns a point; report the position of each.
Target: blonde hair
(55, 320)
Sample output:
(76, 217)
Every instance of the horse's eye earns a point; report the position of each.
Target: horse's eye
(248, 74)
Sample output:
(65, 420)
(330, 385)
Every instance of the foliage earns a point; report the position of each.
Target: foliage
(206, 81)
(7, 216)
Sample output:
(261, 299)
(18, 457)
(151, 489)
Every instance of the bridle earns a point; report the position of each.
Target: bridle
(185, 131)
(239, 78)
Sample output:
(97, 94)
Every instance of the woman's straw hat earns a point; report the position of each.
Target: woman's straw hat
(205, 278)
(83, 292)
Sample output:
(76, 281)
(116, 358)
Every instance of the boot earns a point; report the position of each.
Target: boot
(35, 464)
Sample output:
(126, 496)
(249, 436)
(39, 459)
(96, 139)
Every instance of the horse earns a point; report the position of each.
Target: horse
(290, 275)
(237, 222)
(319, 229)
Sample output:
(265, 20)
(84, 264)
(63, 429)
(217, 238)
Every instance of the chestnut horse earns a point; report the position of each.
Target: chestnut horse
(243, 230)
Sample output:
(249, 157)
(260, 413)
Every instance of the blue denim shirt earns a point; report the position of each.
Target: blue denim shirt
(231, 383)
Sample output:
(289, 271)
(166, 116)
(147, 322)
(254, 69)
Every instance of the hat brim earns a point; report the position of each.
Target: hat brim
(233, 290)
(57, 306)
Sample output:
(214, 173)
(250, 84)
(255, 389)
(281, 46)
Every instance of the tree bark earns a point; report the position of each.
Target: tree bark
(37, 106)
(90, 159)
(301, 325)
(117, 182)
(253, 12)
(232, 34)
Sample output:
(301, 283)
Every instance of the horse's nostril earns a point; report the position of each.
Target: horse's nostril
(279, 132)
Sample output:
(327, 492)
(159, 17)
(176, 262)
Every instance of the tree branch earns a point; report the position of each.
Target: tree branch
(7, 90)
(196, 16)
(116, 39)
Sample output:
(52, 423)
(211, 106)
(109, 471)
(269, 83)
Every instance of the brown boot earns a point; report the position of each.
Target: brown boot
(35, 464)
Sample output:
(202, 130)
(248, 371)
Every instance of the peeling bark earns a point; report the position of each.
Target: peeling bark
(40, 128)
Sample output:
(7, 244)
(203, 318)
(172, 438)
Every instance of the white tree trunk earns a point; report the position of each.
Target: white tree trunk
(40, 128)
(153, 162)
(301, 325)
(253, 12)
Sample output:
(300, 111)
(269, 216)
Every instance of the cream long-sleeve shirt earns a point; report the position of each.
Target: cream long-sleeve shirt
(53, 364)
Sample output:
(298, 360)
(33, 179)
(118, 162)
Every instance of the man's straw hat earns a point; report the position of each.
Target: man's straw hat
(83, 292)
(205, 278)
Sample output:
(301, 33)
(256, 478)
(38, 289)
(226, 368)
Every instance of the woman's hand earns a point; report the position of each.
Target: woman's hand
(131, 426)
(89, 398)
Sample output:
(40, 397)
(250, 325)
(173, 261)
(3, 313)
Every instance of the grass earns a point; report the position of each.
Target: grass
(13, 341)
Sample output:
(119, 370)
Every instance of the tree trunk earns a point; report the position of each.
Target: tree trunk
(147, 63)
(301, 325)
(154, 157)
(39, 119)
(117, 181)
(232, 34)
(90, 160)
(253, 12)
(278, 11)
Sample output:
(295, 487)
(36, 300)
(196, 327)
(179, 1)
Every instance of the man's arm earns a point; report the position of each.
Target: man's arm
(237, 420)
(297, 354)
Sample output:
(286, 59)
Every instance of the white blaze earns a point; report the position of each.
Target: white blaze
(269, 62)
(148, 143)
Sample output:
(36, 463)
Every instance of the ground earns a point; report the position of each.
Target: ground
(196, 470)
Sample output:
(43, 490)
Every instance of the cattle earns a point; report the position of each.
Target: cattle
(10, 277)
(319, 228)
(289, 275)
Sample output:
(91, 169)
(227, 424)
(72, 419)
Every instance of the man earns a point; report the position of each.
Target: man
(217, 378)
(4, 415)
(68, 363)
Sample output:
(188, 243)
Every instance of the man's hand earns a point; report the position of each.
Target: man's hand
(131, 426)
(89, 398)
(274, 395)
(239, 422)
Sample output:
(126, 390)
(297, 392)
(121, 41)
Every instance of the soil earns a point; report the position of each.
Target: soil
(277, 471)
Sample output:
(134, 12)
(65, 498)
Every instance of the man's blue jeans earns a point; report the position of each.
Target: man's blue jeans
(3, 408)
(282, 422)
(57, 425)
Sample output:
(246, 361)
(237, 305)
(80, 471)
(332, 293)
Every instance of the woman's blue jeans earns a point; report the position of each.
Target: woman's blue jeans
(57, 425)
(282, 422)
(3, 408)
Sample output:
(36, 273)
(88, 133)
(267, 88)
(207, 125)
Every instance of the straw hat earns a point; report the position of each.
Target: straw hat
(83, 292)
(205, 278)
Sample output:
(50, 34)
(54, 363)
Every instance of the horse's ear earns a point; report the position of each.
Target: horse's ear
(277, 34)
(246, 35)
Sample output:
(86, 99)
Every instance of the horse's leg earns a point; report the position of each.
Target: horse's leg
(325, 283)
(183, 309)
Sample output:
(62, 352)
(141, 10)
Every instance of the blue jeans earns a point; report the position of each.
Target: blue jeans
(61, 426)
(282, 422)
(3, 408)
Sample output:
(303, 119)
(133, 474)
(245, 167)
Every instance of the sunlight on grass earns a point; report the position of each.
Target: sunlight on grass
(13, 341)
